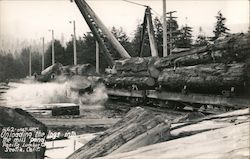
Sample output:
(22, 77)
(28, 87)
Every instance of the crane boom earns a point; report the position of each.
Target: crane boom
(100, 31)
(147, 23)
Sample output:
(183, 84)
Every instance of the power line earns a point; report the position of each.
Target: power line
(135, 3)
(156, 12)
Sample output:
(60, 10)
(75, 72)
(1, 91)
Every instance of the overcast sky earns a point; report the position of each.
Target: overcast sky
(31, 19)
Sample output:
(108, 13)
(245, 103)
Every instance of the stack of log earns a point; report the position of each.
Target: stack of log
(218, 136)
(223, 64)
(134, 71)
(140, 127)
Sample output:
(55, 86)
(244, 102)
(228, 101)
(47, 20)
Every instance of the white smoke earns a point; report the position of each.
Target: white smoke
(99, 96)
(34, 94)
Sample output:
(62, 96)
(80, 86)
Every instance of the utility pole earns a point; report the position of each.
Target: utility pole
(43, 54)
(53, 47)
(30, 63)
(249, 17)
(97, 60)
(74, 42)
(171, 19)
(165, 43)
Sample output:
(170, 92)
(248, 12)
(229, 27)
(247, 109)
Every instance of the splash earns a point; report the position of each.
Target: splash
(34, 94)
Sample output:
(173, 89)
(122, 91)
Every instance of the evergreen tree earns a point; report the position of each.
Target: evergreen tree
(87, 50)
(59, 54)
(122, 37)
(159, 35)
(220, 27)
(172, 39)
(184, 38)
(201, 39)
(136, 43)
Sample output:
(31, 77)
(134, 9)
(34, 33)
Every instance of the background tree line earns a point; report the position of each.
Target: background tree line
(17, 65)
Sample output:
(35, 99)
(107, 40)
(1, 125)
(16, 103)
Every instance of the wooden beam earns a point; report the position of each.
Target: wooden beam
(191, 97)
(95, 32)
(105, 30)
(151, 34)
(200, 98)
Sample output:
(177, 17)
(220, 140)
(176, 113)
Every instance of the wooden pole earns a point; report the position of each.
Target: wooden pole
(153, 46)
(53, 47)
(105, 30)
(43, 54)
(30, 63)
(249, 17)
(165, 45)
(75, 56)
(171, 18)
(97, 58)
(95, 32)
(142, 40)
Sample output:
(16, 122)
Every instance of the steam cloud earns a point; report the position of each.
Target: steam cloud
(34, 94)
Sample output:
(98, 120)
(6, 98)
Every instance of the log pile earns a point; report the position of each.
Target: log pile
(138, 128)
(219, 136)
(221, 65)
(229, 49)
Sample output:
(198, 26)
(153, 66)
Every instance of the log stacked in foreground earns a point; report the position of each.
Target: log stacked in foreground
(221, 136)
(138, 128)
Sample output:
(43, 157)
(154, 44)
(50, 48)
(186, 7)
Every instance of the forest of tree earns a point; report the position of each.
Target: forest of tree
(16, 65)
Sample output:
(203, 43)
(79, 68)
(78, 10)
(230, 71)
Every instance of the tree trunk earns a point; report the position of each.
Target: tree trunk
(210, 77)
(229, 49)
(137, 66)
(129, 81)
(138, 121)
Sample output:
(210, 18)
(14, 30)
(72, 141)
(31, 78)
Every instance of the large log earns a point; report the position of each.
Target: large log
(150, 137)
(234, 47)
(223, 136)
(137, 66)
(228, 49)
(81, 69)
(52, 69)
(129, 81)
(137, 122)
(207, 78)
(50, 72)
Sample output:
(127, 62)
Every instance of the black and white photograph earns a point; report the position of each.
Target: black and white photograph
(124, 79)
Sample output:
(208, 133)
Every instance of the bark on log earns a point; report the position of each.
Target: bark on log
(221, 138)
(137, 66)
(129, 81)
(138, 121)
(50, 72)
(235, 47)
(210, 77)
(82, 69)
(52, 69)
(150, 137)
